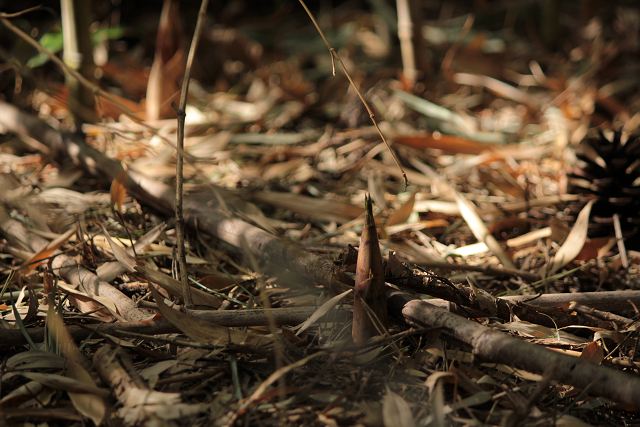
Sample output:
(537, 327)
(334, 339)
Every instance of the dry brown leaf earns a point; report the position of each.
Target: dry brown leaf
(217, 281)
(449, 144)
(99, 307)
(539, 331)
(593, 352)
(595, 248)
(402, 215)
(118, 191)
(22, 394)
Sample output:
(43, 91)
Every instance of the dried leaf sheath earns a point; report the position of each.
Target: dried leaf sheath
(370, 287)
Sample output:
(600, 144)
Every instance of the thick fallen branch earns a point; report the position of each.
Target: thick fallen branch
(492, 346)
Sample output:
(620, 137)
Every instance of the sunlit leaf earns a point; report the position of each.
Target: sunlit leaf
(572, 245)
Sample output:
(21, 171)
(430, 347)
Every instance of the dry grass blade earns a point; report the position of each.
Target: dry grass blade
(127, 261)
(370, 288)
(320, 312)
(110, 270)
(275, 377)
(174, 287)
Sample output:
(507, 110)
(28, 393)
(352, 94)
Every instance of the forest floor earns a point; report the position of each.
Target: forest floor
(525, 237)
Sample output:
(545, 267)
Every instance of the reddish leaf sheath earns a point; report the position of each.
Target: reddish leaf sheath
(370, 298)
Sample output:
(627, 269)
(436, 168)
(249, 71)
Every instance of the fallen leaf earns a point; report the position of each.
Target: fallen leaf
(118, 190)
(396, 411)
(128, 261)
(593, 352)
(89, 405)
(572, 245)
(402, 215)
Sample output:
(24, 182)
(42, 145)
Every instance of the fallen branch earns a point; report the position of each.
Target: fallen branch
(230, 318)
(609, 300)
(492, 346)
(488, 269)
(482, 303)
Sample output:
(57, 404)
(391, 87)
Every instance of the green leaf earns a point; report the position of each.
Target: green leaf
(53, 43)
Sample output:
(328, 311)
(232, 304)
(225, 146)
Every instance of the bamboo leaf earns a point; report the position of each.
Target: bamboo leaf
(572, 245)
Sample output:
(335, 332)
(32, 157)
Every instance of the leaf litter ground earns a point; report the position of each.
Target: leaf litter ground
(487, 140)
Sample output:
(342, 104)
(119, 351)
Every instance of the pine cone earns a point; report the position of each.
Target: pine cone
(609, 170)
